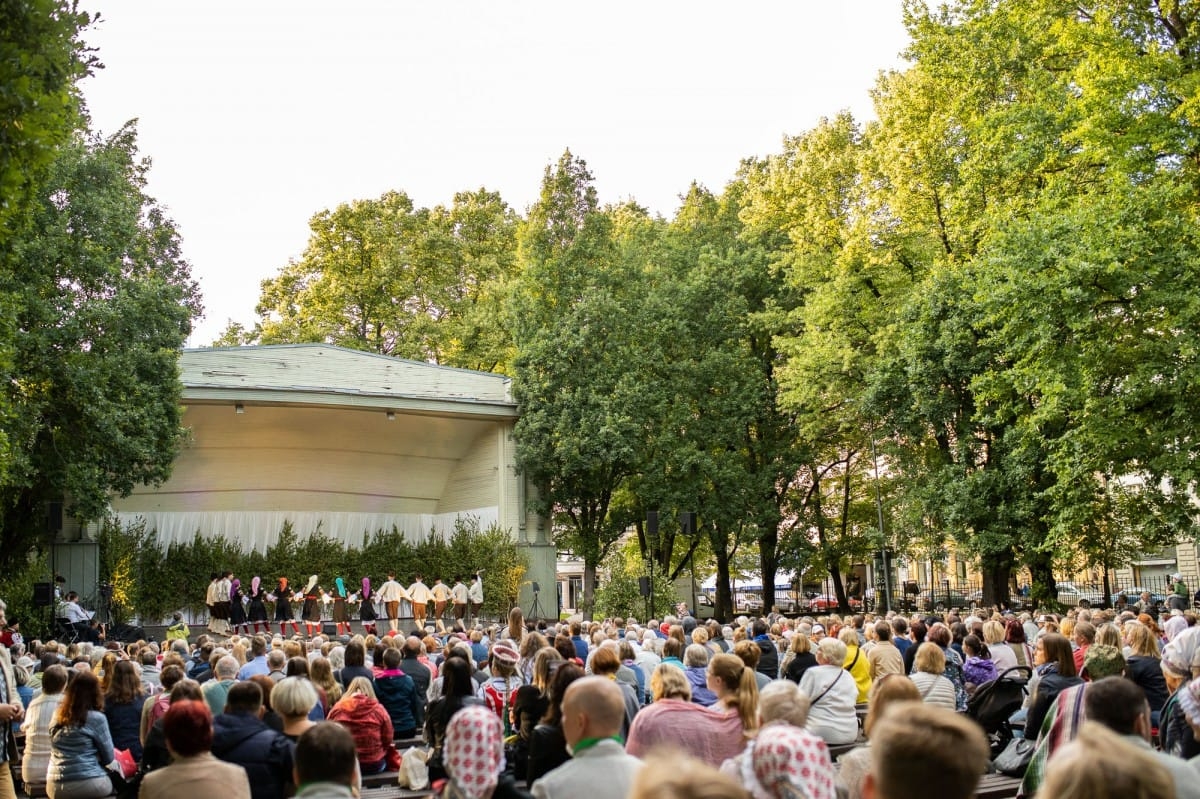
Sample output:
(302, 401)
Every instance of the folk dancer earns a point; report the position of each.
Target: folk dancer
(237, 608)
(421, 595)
(341, 616)
(366, 610)
(210, 599)
(257, 613)
(390, 594)
(283, 608)
(475, 596)
(441, 595)
(219, 624)
(311, 612)
(459, 595)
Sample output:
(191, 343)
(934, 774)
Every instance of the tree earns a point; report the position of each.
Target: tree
(104, 303)
(41, 60)
(577, 375)
(384, 276)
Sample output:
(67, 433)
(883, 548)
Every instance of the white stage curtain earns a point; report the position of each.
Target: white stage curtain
(259, 530)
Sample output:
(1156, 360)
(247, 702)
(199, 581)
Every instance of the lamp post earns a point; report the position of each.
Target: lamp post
(652, 545)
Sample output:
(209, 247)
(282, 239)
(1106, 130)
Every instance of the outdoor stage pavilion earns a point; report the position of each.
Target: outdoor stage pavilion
(351, 441)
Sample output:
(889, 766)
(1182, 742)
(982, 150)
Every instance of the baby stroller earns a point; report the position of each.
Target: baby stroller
(994, 701)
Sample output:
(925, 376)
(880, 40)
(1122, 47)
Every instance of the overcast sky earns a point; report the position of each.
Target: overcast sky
(257, 115)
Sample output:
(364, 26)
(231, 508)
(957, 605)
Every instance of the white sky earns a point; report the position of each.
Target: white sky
(257, 115)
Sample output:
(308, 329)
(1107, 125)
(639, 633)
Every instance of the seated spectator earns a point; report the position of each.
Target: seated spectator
(735, 687)
(695, 661)
(856, 663)
(854, 765)
(1144, 667)
(367, 720)
(548, 745)
(398, 694)
(1067, 712)
(1055, 665)
(123, 706)
(156, 706)
(832, 695)
(1124, 772)
(194, 771)
(674, 720)
(293, 699)
(38, 717)
(80, 744)
(1002, 655)
(884, 657)
(606, 663)
(978, 667)
(919, 751)
(783, 762)
(593, 713)
(327, 763)
(531, 703)
(1119, 705)
(216, 689)
(154, 745)
(242, 738)
(276, 663)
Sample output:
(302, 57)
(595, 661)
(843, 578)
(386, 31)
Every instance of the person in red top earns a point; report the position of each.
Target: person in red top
(1084, 635)
(368, 722)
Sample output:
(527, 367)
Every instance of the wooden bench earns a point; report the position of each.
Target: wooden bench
(997, 786)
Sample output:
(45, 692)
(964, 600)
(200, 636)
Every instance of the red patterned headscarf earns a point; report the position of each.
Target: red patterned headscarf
(474, 751)
(787, 761)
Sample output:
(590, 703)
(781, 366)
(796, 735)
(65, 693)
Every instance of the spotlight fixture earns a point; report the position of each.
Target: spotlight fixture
(391, 416)
(239, 408)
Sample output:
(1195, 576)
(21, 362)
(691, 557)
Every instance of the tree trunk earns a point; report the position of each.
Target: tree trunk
(827, 554)
(1041, 572)
(768, 562)
(723, 608)
(997, 570)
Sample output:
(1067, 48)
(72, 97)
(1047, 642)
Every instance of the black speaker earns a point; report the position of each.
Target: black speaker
(43, 595)
(537, 589)
(687, 523)
(644, 586)
(652, 522)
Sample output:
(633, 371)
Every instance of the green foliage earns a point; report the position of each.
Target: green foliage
(16, 589)
(384, 276)
(151, 582)
(104, 301)
(617, 590)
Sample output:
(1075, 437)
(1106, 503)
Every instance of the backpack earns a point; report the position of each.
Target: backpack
(499, 701)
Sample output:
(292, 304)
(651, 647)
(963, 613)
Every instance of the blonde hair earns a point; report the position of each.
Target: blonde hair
(800, 643)
(362, 685)
(670, 682)
(674, 775)
(1125, 772)
(1142, 641)
(832, 651)
(993, 632)
(848, 636)
(930, 658)
(885, 692)
(740, 687)
(320, 671)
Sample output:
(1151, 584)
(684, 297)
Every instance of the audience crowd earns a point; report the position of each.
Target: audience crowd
(872, 706)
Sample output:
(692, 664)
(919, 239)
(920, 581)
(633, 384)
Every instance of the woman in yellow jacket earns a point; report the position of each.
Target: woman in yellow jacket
(856, 662)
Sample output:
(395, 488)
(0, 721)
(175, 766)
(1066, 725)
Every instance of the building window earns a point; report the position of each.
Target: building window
(961, 569)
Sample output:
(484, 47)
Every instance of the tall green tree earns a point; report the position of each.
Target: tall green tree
(104, 302)
(578, 372)
(42, 57)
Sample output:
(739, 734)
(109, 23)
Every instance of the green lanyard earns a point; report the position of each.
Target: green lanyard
(588, 743)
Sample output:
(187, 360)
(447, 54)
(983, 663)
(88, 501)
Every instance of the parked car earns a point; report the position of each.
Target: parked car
(745, 602)
(943, 598)
(824, 603)
(1133, 594)
(1071, 594)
